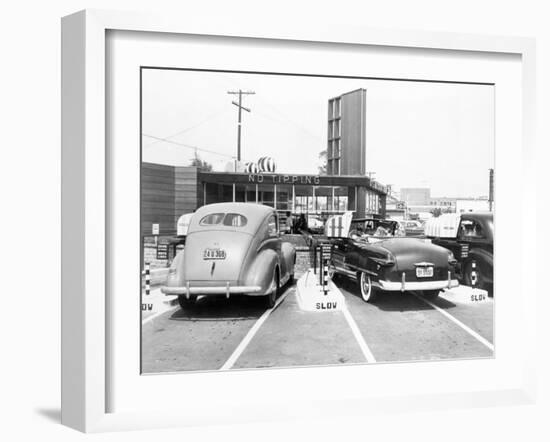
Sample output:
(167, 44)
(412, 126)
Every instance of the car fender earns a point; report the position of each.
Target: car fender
(289, 256)
(260, 272)
(175, 272)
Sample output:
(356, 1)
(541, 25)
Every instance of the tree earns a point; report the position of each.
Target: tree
(323, 165)
(200, 163)
(436, 212)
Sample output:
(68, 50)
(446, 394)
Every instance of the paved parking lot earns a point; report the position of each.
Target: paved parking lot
(236, 333)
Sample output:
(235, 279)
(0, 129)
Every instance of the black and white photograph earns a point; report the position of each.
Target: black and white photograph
(311, 220)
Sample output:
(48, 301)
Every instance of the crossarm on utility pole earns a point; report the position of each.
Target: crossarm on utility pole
(240, 93)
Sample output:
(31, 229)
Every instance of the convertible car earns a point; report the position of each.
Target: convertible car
(231, 248)
(369, 251)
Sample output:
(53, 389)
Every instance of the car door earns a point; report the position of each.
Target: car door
(339, 252)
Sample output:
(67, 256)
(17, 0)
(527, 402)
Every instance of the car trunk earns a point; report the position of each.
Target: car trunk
(217, 256)
(411, 251)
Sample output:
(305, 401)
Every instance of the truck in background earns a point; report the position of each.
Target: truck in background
(470, 237)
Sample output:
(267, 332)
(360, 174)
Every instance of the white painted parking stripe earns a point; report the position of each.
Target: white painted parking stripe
(246, 340)
(354, 329)
(358, 336)
(467, 329)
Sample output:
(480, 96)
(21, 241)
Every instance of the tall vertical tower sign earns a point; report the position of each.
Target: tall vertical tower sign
(346, 142)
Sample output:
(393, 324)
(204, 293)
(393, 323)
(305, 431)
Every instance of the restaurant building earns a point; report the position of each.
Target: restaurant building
(170, 191)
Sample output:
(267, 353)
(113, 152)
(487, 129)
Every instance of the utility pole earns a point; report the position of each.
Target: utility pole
(240, 93)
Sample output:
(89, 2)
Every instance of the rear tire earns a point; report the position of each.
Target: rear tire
(369, 293)
(186, 303)
(271, 298)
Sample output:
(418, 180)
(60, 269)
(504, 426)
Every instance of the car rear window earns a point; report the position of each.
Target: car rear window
(226, 219)
(234, 220)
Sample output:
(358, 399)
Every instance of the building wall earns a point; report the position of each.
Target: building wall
(167, 192)
(187, 194)
(157, 198)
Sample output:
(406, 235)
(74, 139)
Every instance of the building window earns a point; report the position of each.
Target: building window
(303, 201)
(284, 197)
(336, 149)
(336, 130)
(240, 193)
(336, 107)
(266, 195)
(336, 167)
(340, 202)
(323, 199)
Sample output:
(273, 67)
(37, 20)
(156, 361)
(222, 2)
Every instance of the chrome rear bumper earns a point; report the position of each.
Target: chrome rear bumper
(405, 286)
(218, 290)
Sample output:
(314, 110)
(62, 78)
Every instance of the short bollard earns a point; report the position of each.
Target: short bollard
(147, 278)
(473, 274)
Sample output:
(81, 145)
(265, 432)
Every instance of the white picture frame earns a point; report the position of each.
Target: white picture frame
(85, 202)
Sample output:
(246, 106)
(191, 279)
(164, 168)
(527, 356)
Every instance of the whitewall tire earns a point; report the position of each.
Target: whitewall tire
(368, 291)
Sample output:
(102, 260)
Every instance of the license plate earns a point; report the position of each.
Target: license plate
(214, 254)
(424, 272)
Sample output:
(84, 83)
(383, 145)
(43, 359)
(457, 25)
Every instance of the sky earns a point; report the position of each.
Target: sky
(432, 135)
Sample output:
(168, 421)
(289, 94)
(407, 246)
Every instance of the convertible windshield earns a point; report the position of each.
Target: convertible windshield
(372, 229)
(225, 219)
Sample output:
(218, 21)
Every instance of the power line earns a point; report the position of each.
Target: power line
(187, 129)
(189, 146)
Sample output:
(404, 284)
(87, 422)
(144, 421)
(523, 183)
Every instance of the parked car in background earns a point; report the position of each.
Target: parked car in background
(231, 248)
(412, 227)
(470, 237)
(314, 224)
(369, 251)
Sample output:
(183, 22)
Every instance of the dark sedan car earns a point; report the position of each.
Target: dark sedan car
(370, 252)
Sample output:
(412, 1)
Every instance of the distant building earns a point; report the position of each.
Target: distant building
(415, 196)
(445, 204)
(346, 143)
(473, 205)
(395, 208)
(418, 200)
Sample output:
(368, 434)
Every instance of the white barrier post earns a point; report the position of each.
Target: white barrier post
(147, 279)
(473, 275)
(325, 276)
